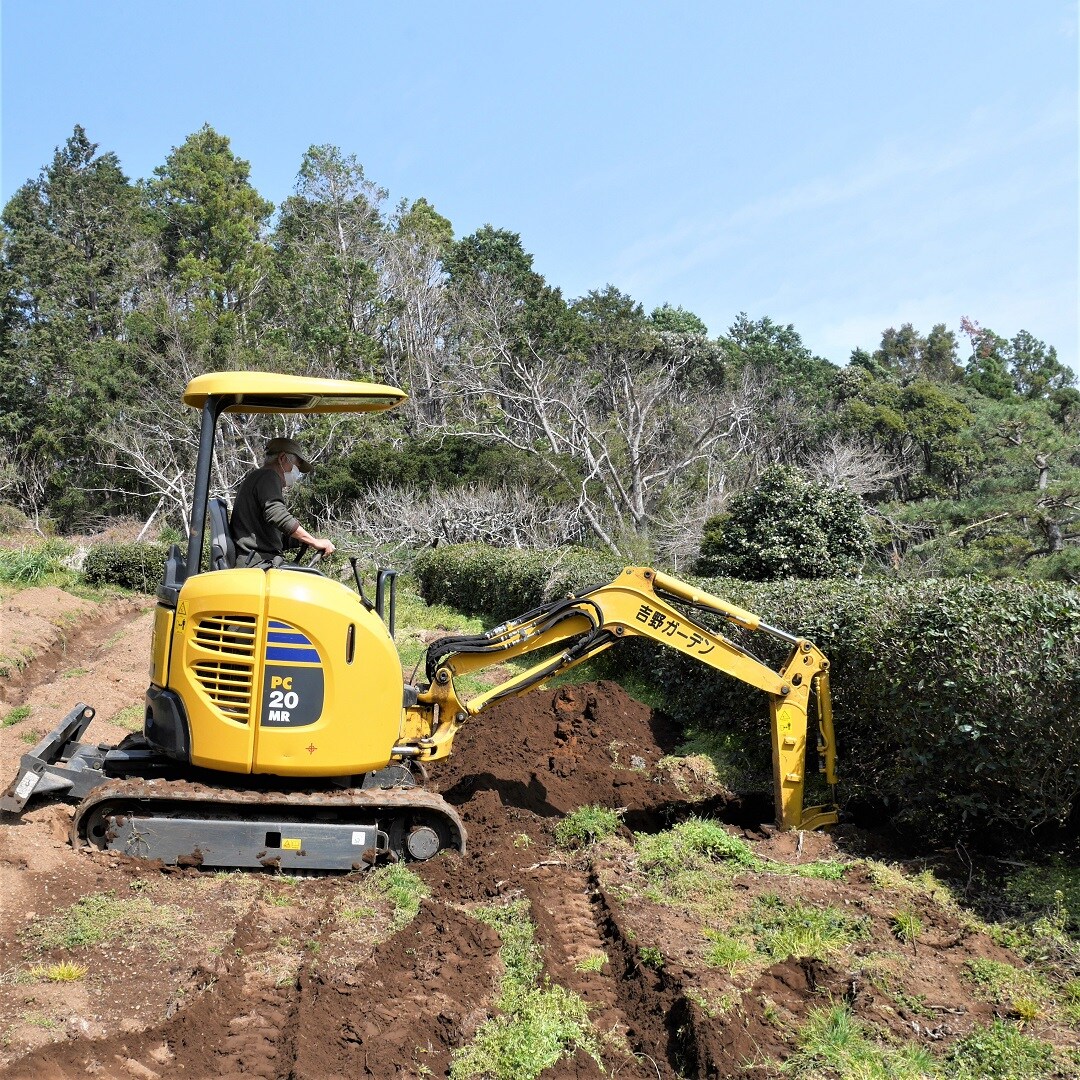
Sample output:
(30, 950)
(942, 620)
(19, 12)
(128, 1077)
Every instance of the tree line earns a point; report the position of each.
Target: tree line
(532, 418)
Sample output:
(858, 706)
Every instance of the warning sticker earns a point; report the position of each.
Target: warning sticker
(290, 843)
(30, 781)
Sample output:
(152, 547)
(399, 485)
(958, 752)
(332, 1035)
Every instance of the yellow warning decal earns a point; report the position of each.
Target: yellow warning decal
(290, 843)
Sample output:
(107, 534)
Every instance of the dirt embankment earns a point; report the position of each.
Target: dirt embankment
(241, 975)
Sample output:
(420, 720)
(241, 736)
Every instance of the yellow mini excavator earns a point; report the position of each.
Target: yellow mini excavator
(279, 730)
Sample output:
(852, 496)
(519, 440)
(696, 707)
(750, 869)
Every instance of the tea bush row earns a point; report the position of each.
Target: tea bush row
(140, 567)
(955, 701)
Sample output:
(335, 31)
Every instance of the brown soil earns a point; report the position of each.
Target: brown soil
(241, 975)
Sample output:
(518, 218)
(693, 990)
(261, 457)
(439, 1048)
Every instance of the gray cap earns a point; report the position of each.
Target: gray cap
(288, 446)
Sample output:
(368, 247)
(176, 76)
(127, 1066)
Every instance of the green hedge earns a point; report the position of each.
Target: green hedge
(956, 702)
(140, 567)
(502, 582)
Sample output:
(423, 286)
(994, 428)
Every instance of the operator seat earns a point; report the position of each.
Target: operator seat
(222, 548)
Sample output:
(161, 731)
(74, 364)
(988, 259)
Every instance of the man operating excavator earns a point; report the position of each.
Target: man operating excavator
(261, 522)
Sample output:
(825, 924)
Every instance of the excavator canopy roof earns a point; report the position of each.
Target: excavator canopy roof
(268, 392)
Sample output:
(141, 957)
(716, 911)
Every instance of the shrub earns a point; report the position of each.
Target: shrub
(507, 582)
(140, 567)
(955, 701)
(12, 519)
(787, 526)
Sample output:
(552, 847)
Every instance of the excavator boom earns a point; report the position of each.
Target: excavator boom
(642, 602)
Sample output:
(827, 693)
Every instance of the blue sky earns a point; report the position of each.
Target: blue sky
(842, 166)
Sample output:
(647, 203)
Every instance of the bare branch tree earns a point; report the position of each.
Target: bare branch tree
(625, 430)
(857, 466)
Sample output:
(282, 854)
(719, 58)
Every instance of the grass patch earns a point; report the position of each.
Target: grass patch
(31, 736)
(1050, 891)
(824, 870)
(103, 917)
(693, 864)
(1001, 1051)
(40, 1020)
(14, 716)
(834, 1043)
(402, 888)
(781, 930)
(727, 952)
(586, 826)
(539, 1022)
(34, 565)
(1003, 984)
(67, 971)
(74, 673)
(692, 844)
(130, 718)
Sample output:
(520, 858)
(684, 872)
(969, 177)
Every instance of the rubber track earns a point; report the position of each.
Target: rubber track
(205, 798)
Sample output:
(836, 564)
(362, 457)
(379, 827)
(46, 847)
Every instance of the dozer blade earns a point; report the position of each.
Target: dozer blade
(58, 764)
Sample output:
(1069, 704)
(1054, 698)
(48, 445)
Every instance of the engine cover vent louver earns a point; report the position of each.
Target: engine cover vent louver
(232, 634)
(227, 683)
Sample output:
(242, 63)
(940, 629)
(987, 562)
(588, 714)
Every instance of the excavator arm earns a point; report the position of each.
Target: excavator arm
(639, 603)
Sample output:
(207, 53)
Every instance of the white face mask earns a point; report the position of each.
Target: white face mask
(293, 476)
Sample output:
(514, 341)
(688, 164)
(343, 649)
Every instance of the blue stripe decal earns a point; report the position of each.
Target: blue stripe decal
(299, 656)
(280, 625)
(288, 639)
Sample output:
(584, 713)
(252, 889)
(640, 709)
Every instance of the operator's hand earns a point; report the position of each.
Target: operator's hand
(324, 546)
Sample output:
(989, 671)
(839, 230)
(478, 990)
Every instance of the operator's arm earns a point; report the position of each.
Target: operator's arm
(277, 514)
(301, 534)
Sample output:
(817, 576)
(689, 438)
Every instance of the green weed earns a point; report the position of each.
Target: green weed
(782, 930)
(32, 565)
(586, 826)
(36, 1019)
(102, 917)
(403, 889)
(14, 716)
(1004, 984)
(1001, 1051)
(651, 956)
(834, 1043)
(594, 962)
(1050, 891)
(65, 971)
(130, 718)
(906, 926)
(713, 1005)
(727, 952)
(538, 1024)
(693, 843)
(825, 870)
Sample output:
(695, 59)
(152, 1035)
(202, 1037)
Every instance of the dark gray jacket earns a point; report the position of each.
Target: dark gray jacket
(260, 520)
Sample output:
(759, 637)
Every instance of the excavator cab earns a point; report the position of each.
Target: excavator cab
(282, 671)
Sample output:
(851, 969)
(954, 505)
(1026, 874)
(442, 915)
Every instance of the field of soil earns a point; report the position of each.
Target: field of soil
(262, 975)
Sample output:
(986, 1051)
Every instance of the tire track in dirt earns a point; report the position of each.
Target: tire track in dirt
(235, 1016)
(83, 643)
